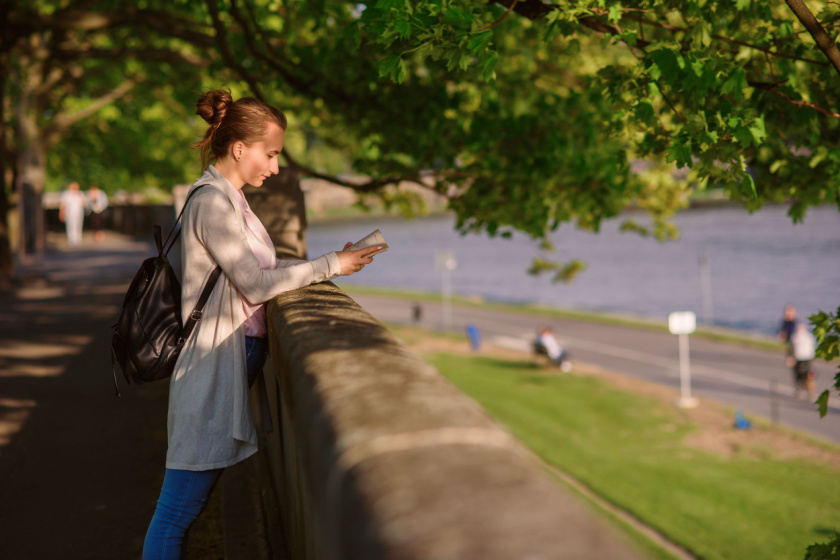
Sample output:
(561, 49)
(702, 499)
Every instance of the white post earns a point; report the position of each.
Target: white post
(446, 264)
(682, 323)
(446, 296)
(686, 400)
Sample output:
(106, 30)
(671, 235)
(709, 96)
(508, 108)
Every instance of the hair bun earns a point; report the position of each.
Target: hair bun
(213, 106)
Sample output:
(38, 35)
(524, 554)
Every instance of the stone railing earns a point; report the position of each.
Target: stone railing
(373, 454)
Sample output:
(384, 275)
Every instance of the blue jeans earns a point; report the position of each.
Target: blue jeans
(184, 493)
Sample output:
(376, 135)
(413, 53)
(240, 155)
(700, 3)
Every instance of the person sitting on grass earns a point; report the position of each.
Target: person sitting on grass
(547, 345)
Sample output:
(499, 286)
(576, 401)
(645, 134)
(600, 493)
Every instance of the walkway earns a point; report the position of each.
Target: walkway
(80, 469)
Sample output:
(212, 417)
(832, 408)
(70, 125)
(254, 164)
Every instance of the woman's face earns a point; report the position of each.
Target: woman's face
(258, 161)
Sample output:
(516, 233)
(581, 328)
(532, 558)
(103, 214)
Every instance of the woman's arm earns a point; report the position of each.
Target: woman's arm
(215, 225)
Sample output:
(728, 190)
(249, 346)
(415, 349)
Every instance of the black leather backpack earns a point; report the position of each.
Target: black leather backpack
(149, 333)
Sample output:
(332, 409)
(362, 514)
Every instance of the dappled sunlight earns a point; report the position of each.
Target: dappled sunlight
(40, 292)
(31, 370)
(65, 301)
(26, 350)
(13, 414)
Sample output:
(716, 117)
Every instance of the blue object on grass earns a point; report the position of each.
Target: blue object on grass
(474, 336)
(741, 422)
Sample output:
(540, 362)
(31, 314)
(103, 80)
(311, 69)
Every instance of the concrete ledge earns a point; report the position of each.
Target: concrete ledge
(375, 455)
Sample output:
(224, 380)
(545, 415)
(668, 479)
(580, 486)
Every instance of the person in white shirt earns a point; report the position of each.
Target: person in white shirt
(547, 344)
(72, 213)
(804, 347)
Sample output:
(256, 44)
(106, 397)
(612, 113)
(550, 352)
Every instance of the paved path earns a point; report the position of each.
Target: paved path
(79, 469)
(740, 376)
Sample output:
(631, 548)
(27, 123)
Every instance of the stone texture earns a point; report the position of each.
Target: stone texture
(375, 455)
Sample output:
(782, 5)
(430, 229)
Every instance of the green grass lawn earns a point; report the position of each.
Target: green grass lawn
(630, 449)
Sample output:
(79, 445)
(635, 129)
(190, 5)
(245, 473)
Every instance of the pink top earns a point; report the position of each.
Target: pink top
(263, 249)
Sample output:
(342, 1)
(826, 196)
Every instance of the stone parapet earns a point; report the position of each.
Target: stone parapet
(374, 454)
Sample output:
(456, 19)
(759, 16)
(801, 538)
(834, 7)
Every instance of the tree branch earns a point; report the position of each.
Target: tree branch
(771, 88)
(163, 55)
(61, 121)
(230, 61)
(534, 9)
(531, 9)
(723, 39)
(31, 21)
(826, 43)
(280, 66)
(501, 19)
(370, 186)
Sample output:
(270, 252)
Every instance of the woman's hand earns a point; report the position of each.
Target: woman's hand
(353, 261)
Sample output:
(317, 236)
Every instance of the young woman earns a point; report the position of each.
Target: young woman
(209, 422)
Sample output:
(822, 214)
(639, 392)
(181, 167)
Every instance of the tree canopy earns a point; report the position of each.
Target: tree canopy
(526, 114)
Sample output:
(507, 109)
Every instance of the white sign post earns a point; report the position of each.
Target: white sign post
(682, 324)
(446, 264)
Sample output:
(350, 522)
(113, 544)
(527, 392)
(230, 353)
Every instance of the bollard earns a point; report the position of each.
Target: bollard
(475, 337)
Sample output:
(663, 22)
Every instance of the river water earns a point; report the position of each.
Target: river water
(756, 264)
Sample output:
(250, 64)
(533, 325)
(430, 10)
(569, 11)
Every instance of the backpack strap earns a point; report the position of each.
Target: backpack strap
(195, 316)
(175, 228)
(164, 248)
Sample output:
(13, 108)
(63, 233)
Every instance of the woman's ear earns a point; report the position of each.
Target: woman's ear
(236, 150)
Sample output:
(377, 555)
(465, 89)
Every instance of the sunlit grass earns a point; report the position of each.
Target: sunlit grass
(630, 449)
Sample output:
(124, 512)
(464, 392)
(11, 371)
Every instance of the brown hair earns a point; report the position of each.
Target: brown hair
(245, 119)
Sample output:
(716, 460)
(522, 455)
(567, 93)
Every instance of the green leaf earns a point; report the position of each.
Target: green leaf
(460, 18)
(479, 42)
(569, 271)
(736, 83)
(403, 28)
(822, 403)
(758, 130)
(748, 185)
(679, 153)
(386, 5)
(744, 136)
(644, 110)
(666, 61)
(488, 65)
(388, 64)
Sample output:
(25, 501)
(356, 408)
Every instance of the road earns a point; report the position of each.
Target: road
(740, 376)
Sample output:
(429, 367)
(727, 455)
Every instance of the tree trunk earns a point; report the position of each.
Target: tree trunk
(7, 264)
(31, 165)
(279, 205)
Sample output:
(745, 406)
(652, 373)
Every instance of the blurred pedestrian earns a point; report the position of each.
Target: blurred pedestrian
(803, 347)
(786, 329)
(72, 213)
(547, 344)
(209, 423)
(97, 202)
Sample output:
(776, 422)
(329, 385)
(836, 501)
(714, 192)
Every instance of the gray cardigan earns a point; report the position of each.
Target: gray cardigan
(209, 422)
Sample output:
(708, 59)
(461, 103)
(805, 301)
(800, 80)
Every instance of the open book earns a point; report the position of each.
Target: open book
(373, 239)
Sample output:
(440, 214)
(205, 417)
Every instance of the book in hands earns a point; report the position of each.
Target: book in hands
(372, 240)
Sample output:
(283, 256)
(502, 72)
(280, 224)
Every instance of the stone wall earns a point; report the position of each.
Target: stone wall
(373, 454)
